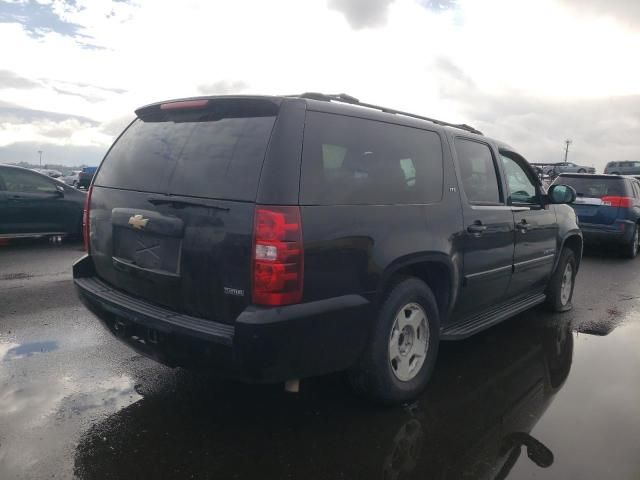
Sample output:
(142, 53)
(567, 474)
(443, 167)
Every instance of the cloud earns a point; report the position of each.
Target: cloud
(626, 12)
(11, 113)
(601, 128)
(88, 98)
(363, 13)
(11, 80)
(223, 87)
(72, 155)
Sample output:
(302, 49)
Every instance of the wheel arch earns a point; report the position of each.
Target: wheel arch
(437, 270)
(574, 241)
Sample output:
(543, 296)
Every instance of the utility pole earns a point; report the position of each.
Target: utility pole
(40, 153)
(566, 150)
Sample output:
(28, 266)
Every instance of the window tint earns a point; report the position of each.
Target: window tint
(594, 187)
(479, 178)
(16, 180)
(521, 188)
(202, 155)
(355, 161)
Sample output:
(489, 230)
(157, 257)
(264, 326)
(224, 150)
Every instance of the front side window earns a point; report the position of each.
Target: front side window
(479, 177)
(521, 188)
(21, 181)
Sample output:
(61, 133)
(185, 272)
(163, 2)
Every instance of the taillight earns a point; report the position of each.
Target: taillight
(85, 219)
(613, 201)
(278, 255)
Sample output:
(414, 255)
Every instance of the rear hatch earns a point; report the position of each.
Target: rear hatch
(173, 203)
(598, 197)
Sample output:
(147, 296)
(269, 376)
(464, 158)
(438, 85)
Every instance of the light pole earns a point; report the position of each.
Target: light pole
(40, 153)
(566, 150)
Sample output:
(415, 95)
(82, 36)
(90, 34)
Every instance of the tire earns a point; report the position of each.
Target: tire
(582, 170)
(558, 296)
(630, 250)
(397, 365)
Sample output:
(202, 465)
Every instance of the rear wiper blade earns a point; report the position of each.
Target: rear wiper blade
(183, 203)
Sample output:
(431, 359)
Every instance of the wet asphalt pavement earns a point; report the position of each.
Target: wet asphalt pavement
(540, 396)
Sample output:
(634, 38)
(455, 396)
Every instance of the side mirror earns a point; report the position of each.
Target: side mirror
(60, 190)
(559, 194)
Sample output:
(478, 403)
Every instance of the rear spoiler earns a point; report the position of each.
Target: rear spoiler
(221, 106)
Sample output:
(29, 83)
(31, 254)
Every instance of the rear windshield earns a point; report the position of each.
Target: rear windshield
(350, 161)
(594, 187)
(212, 153)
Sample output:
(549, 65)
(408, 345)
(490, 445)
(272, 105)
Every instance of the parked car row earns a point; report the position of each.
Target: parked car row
(555, 169)
(77, 178)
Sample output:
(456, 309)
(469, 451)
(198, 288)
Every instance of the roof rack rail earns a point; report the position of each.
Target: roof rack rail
(345, 98)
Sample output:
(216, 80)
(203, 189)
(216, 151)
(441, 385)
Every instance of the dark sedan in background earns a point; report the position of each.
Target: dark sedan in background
(33, 205)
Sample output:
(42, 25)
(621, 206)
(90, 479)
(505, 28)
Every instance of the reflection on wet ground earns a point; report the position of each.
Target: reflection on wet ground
(476, 419)
(540, 396)
(26, 349)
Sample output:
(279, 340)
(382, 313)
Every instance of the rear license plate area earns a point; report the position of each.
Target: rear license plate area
(146, 250)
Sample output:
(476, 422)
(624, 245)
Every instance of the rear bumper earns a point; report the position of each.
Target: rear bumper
(264, 344)
(620, 232)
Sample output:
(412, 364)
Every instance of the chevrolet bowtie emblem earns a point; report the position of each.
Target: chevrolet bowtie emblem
(138, 222)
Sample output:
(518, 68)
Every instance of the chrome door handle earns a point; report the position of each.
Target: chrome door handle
(476, 228)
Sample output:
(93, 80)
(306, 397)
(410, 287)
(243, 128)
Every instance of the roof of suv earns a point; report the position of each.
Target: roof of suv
(341, 104)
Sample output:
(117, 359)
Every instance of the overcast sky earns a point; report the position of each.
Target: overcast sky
(529, 72)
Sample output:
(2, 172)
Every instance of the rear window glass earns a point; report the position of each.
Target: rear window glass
(351, 161)
(203, 154)
(594, 187)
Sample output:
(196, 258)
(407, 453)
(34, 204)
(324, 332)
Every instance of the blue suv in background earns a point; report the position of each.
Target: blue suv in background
(608, 208)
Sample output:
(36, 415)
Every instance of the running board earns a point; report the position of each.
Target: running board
(488, 318)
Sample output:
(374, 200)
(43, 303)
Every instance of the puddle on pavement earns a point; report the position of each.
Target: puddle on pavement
(45, 401)
(13, 351)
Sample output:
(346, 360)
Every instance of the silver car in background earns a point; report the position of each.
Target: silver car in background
(623, 168)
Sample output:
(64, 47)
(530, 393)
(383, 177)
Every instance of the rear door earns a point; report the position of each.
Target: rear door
(489, 228)
(173, 205)
(536, 228)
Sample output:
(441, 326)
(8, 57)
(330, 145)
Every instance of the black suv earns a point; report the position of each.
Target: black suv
(274, 238)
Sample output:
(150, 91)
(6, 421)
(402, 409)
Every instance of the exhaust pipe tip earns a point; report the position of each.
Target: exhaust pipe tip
(292, 386)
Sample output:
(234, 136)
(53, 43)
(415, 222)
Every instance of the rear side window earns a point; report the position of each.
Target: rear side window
(214, 154)
(478, 171)
(351, 161)
(594, 187)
